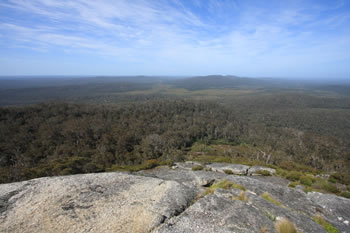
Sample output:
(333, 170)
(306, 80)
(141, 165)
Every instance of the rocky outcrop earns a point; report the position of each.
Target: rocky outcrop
(236, 169)
(165, 200)
(109, 202)
(259, 170)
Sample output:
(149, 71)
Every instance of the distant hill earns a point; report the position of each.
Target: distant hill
(218, 81)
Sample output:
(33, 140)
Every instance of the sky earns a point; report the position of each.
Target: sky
(251, 38)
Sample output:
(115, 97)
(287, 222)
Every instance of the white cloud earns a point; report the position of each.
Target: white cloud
(168, 31)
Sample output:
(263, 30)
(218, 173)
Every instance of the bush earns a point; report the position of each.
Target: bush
(308, 189)
(293, 175)
(263, 172)
(332, 180)
(292, 166)
(197, 168)
(345, 194)
(285, 226)
(324, 185)
(293, 184)
(306, 180)
(149, 164)
(343, 178)
(326, 225)
(228, 172)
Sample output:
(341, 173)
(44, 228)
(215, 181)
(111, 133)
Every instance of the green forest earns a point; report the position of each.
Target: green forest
(96, 128)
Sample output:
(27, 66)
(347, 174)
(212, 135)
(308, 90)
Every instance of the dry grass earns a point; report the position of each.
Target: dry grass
(285, 226)
(241, 197)
(263, 230)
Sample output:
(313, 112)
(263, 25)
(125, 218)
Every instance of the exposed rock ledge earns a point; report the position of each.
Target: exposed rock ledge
(162, 200)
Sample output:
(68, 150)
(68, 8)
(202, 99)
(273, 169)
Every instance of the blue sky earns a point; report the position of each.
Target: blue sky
(274, 38)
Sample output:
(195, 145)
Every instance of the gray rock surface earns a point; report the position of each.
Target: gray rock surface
(164, 200)
(236, 169)
(105, 202)
(254, 170)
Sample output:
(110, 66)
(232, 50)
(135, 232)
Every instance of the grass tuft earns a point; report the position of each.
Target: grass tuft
(241, 197)
(263, 172)
(269, 198)
(326, 225)
(224, 184)
(285, 226)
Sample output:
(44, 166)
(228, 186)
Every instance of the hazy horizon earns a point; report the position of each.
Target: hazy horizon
(290, 39)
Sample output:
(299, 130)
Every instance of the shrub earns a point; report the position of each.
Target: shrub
(263, 172)
(326, 225)
(285, 226)
(306, 180)
(348, 188)
(269, 198)
(343, 178)
(149, 164)
(197, 168)
(324, 185)
(293, 184)
(308, 189)
(292, 166)
(345, 194)
(332, 180)
(281, 172)
(293, 175)
(152, 163)
(228, 172)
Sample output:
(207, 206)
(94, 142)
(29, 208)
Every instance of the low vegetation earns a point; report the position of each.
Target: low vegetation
(224, 184)
(197, 168)
(326, 225)
(345, 194)
(307, 180)
(148, 164)
(269, 198)
(241, 197)
(293, 184)
(285, 226)
(323, 185)
(263, 172)
(228, 172)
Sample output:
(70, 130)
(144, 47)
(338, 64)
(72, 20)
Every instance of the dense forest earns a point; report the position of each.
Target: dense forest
(145, 122)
